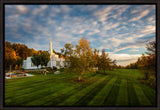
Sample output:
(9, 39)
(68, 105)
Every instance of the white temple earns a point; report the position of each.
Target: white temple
(55, 61)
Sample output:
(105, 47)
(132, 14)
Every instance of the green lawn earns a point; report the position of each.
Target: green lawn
(117, 88)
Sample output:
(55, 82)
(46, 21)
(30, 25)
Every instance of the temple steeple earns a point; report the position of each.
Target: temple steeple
(50, 49)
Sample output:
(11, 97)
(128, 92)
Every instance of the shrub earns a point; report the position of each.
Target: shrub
(22, 69)
(152, 81)
(49, 69)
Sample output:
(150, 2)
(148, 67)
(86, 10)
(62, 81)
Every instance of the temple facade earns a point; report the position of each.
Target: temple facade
(55, 61)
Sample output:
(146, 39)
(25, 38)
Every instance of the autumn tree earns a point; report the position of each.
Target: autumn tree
(104, 61)
(95, 57)
(80, 58)
(67, 51)
(19, 62)
(15, 54)
(147, 64)
(10, 57)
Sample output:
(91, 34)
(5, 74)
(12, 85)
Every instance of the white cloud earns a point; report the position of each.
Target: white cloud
(126, 47)
(149, 29)
(107, 12)
(150, 18)
(22, 9)
(141, 15)
(94, 23)
(134, 11)
(133, 50)
(39, 10)
(65, 8)
(110, 26)
(124, 59)
(12, 18)
(94, 32)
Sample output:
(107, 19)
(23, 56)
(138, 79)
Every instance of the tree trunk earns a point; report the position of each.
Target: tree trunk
(10, 71)
(79, 78)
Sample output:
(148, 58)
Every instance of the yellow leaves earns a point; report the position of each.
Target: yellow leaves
(16, 67)
(10, 53)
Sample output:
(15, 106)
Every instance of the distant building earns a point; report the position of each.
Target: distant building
(55, 61)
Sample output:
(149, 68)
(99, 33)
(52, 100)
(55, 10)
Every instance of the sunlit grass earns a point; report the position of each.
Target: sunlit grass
(116, 88)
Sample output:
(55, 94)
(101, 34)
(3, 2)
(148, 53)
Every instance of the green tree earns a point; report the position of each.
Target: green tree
(45, 57)
(19, 61)
(36, 59)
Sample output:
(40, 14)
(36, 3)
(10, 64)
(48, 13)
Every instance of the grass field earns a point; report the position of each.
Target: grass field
(117, 88)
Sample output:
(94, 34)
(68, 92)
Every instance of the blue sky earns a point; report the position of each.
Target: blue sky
(122, 30)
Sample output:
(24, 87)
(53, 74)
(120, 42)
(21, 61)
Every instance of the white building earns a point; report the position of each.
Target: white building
(55, 61)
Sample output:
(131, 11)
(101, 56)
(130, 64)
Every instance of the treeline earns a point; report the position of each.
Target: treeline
(83, 60)
(147, 64)
(15, 54)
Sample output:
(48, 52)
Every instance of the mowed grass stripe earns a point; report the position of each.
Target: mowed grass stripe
(92, 93)
(33, 81)
(132, 96)
(141, 96)
(100, 97)
(20, 100)
(25, 89)
(122, 96)
(149, 93)
(54, 98)
(112, 96)
(77, 96)
(50, 99)
(28, 87)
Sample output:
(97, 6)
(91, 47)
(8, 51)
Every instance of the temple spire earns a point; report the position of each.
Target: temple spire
(50, 49)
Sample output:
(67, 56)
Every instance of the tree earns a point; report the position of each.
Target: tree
(21, 50)
(147, 64)
(31, 52)
(36, 59)
(19, 62)
(151, 47)
(10, 57)
(16, 68)
(104, 61)
(95, 57)
(8, 44)
(80, 58)
(68, 50)
(45, 57)
(113, 65)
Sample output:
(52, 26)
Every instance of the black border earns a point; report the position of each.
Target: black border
(127, 2)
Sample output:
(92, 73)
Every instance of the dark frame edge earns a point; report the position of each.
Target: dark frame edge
(79, 1)
(2, 39)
